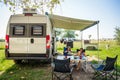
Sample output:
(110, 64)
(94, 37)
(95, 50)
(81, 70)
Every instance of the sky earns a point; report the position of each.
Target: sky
(106, 11)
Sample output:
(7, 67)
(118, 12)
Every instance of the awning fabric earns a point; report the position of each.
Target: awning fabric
(71, 23)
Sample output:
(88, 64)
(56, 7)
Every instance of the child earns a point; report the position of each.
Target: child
(67, 51)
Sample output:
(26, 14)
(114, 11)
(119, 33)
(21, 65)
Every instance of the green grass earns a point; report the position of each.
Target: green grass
(41, 71)
(102, 53)
(29, 71)
(22, 72)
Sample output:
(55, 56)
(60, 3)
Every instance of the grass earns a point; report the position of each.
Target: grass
(41, 71)
(27, 72)
(30, 71)
(102, 53)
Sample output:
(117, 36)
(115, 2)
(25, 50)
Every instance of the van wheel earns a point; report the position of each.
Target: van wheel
(53, 52)
(17, 61)
(49, 61)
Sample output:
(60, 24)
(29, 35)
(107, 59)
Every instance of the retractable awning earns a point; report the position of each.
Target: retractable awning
(74, 24)
(71, 23)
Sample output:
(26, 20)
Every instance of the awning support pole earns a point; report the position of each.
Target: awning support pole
(81, 39)
(98, 39)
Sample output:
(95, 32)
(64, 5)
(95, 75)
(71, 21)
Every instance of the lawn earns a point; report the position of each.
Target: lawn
(42, 71)
(30, 71)
(113, 50)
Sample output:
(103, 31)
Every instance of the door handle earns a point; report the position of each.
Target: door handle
(32, 40)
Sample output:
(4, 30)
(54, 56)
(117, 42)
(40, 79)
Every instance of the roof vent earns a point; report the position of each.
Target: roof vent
(32, 11)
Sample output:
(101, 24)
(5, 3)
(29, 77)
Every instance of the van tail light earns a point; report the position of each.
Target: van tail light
(47, 41)
(7, 42)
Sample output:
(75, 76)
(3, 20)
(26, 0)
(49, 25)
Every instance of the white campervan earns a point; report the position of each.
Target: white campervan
(29, 36)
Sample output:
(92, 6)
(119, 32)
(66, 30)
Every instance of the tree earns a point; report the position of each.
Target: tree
(41, 5)
(117, 35)
(89, 37)
(58, 31)
(69, 34)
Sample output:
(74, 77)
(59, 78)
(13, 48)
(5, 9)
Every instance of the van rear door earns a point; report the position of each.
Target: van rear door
(18, 41)
(37, 39)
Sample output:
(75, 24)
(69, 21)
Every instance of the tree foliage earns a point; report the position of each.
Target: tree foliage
(58, 31)
(69, 34)
(37, 4)
(117, 35)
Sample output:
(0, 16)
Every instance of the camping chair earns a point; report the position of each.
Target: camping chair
(61, 69)
(105, 71)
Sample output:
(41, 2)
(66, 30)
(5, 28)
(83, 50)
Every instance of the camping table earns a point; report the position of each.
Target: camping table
(75, 59)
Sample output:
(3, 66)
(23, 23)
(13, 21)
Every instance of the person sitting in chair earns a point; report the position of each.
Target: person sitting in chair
(79, 51)
(67, 51)
(81, 54)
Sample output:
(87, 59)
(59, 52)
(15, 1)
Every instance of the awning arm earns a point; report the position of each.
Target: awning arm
(97, 22)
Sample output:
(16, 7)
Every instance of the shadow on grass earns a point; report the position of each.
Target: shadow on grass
(118, 70)
(2, 48)
(2, 59)
(27, 71)
(94, 50)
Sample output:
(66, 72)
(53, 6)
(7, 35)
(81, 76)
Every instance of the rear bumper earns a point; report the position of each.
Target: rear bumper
(27, 56)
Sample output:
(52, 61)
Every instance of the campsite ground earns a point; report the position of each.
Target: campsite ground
(112, 51)
(42, 71)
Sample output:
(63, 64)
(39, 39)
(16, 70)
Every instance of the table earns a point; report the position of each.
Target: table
(76, 59)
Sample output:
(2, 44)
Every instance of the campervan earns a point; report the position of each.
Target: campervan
(29, 36)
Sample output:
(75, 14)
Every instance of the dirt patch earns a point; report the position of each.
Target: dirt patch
(1, 72)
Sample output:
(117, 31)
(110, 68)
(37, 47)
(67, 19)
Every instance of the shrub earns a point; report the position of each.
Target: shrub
(90, 48)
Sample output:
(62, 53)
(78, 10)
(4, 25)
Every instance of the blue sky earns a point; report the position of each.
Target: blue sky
(106, 11)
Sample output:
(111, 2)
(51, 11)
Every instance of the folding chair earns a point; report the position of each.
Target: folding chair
(105, 71)
(61, 69)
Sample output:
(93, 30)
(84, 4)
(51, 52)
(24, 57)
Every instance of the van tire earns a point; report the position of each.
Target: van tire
(53, 51)
(49, 61)
(17, 61)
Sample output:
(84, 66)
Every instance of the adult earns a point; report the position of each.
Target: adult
(79, 51)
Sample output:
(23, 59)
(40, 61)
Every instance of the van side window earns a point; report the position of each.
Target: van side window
(18, 30)
(37, 30)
